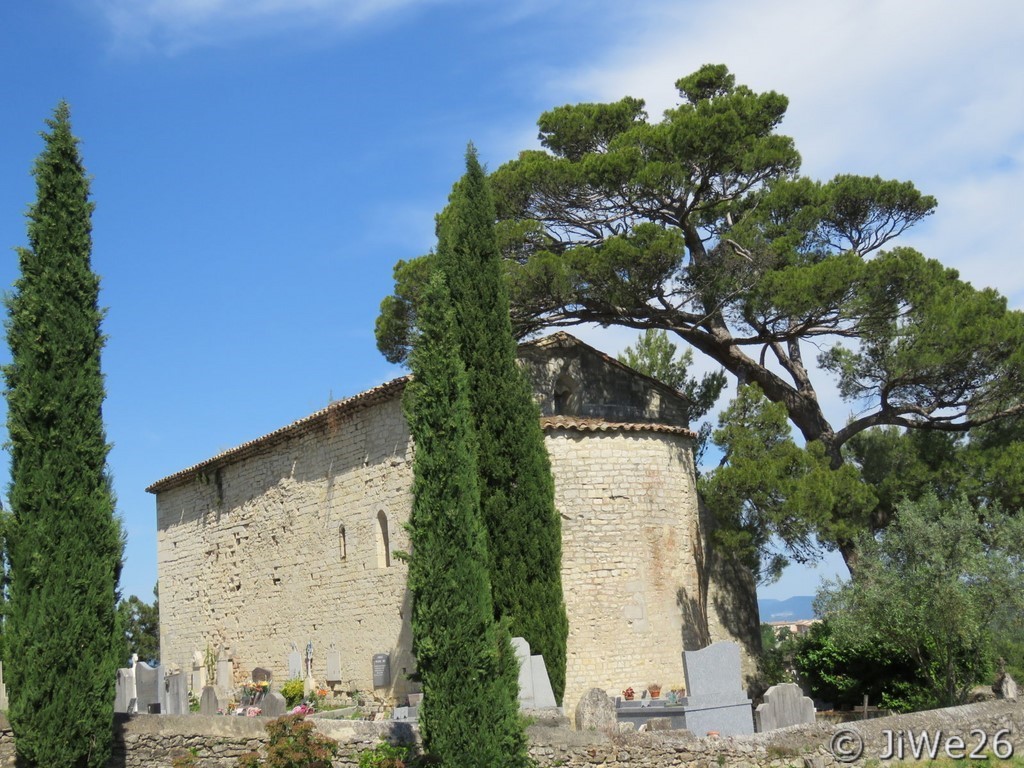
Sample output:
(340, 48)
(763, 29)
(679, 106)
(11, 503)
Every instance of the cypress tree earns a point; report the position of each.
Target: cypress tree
(469, 715)
(517, 495)
(64, 542)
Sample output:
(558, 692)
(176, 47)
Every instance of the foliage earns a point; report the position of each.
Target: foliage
(935, 583)
(866, 665)
(384, 755)
(517, 493)
(64, 542)
(768, 489)
(701, 225)
(140, 623)
(293, 742)
(987, 468)
(464, 658)
(655, 356)
(294, 691)
(776, 659)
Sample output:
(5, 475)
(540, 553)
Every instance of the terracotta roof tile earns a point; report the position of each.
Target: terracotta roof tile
(600, 425)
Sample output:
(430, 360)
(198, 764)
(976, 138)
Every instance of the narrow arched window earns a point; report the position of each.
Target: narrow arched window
(342, 546)
(383, 541)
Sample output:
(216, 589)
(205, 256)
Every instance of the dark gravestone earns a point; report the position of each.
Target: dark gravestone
(261, 675)
(381, 670)
(273, 704)
(147, 685)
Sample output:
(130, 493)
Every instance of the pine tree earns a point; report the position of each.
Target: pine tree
(464, 660)
(517, 494)
(64, 542)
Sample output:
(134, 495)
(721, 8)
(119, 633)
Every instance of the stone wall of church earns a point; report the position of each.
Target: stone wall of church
(630, 528)
(285, 547)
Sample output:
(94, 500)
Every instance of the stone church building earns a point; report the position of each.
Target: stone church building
(291, 539)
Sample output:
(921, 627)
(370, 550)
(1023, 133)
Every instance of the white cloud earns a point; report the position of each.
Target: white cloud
(175, 25)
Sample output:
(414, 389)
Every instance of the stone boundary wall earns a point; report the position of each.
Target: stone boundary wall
(151, 741)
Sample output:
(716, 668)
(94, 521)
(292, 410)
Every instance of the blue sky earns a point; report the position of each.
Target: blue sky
(259, 166)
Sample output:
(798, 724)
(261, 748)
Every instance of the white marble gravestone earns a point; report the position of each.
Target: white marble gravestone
(534, 685)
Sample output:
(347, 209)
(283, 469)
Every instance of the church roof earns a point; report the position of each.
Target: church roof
(395, 387)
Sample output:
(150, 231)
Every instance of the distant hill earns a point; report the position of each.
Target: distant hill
(791, 609)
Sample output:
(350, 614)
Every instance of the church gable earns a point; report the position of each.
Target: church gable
(571, 378)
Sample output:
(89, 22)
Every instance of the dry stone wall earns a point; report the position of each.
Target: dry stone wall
(150, 741)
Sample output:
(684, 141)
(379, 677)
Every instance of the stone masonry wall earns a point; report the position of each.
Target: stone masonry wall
(629, 523)
(285, 547)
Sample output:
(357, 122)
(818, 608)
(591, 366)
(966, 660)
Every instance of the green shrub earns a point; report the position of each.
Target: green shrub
(293, 743)
(384, 755)
(293, 691)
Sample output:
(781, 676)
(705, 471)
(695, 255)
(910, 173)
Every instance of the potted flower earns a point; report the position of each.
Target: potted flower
(628, 694)
(654, 689)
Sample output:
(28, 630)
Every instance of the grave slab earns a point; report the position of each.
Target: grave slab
(274, 704)
(147, 686)
(208, 704)
(784, 705)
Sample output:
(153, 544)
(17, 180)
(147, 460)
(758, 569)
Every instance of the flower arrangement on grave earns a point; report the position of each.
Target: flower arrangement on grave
(252, 687)
(629, 694)
(654, 689)
(253, 711)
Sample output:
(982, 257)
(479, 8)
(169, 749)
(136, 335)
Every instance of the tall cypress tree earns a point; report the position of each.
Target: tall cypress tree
(64, 542)
(517, 494)
(464, 659)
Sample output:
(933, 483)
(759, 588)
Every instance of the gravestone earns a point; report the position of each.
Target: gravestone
(596, 712)
(147, 686)
(1006, 687)
(225, 674)
(174, 694)
(522, 649)
(208, 701)
(784, 705)
(261, 675)
(294, 665)
(4, 705)
(534, 685)
(381, 670)
(198, 671)
(333, 666)
(274, 704)
(715, 698)
(124, 694)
